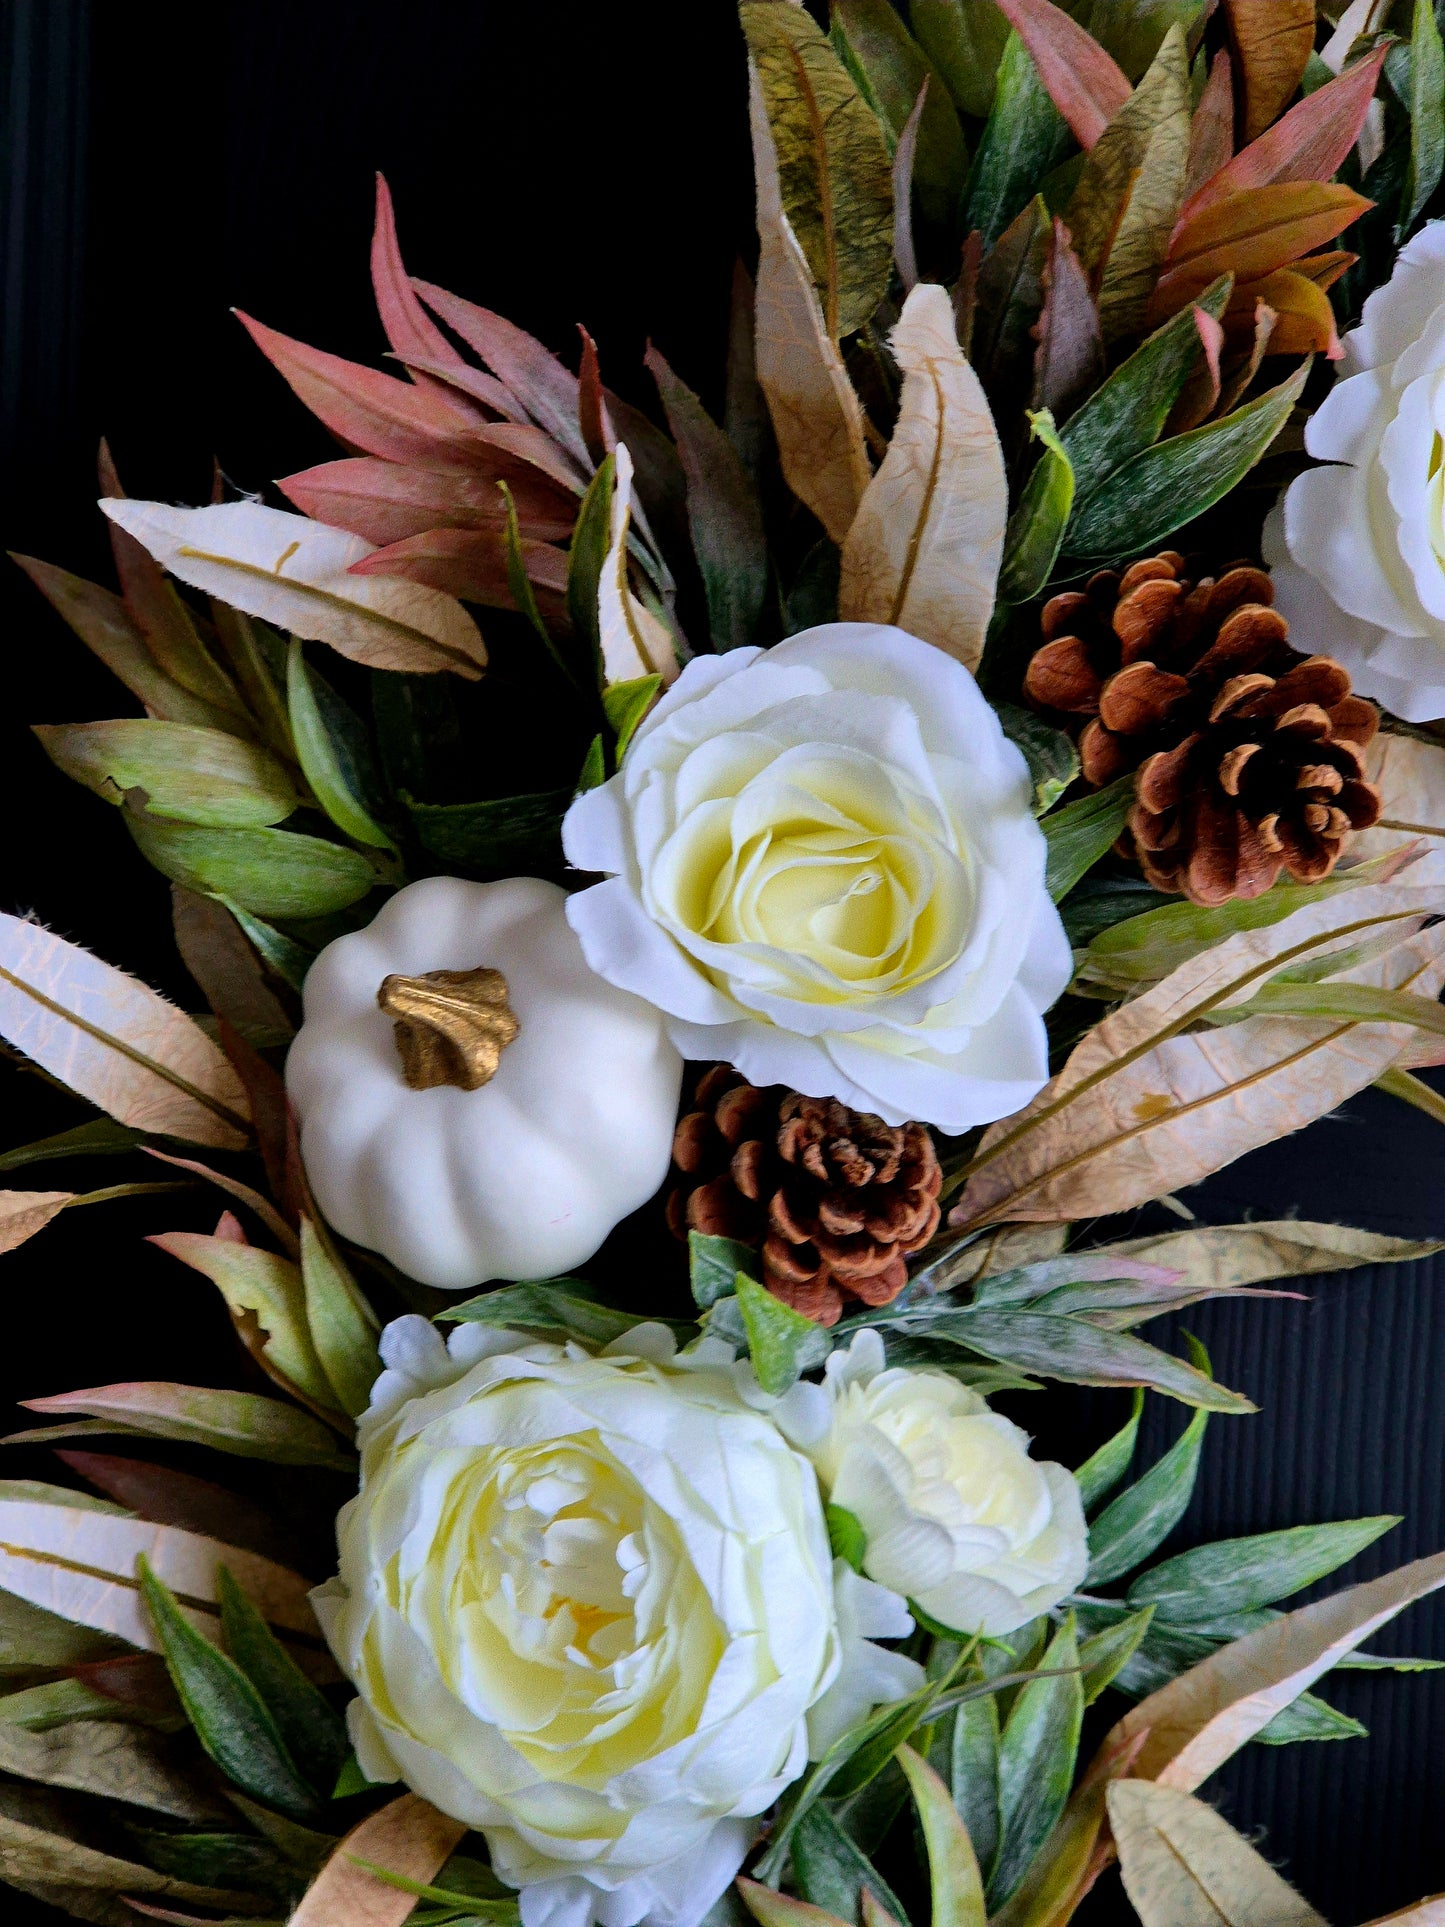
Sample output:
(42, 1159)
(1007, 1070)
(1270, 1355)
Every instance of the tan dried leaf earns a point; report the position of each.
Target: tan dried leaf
(1274, 40)
(115, 1041)
(924, 550)
(1148, 1103)
(1132, 188)
(1228, 1256)
(23, 1213)
(110, 1758)
(1411, 776)
(634, 641)
(1184, 1866)
(1425, 1913)
(817, 417)
(409, 1838)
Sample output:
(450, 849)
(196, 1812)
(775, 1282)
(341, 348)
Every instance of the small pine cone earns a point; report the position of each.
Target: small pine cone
(1248, 753)
(835, 1199)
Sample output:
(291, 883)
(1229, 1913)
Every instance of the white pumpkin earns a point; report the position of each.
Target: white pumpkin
(524, 1176)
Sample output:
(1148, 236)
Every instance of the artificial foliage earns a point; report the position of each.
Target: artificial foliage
(1045, 303)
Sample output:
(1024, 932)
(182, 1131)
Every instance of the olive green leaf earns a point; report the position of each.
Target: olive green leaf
(191, 775)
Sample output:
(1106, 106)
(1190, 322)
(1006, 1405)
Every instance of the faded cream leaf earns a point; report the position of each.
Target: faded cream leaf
(82, 1566)
(1411, 776)
(834, 173)
(817, 417)
(634, 641)
(1226, 1257)
(1132, 188)
(924, 550)
(292, 571)
(407, 1837)
(1148, 1102)
(1425, 1913)
(23, 1213)
(1184, 1866)
(115, 1041)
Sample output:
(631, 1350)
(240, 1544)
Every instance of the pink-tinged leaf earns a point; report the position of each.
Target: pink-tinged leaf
(468, 563)
(1200, 394)
(1082, 81)
(384, 502)
(1304, 319)
(131, 1679)
(23, 1213)
(242, 1423)
(464, 379)
(228, 1230)
(905, 256)
(233, 1187)
(1238, 385)
(546, 389)
(1069, 361)
(170, 1498)
(409, 328)
(408, 1838)
(364, 408)
(1310, 143)
(592, 416)
(271, 1118)
(1211, 132)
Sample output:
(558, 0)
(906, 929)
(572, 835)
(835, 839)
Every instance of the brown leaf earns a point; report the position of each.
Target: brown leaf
(1227, 1257)
(243, 1194)
(1273, 40)
(170, 1498)
(923, 553)
(1184, 1866)
(113, 1760)
(271, 1120)
(470, 564)
(115, 1041)
(1249, 235)
(409, 1838)
(54, 1866)
(23, 1213)
(1304, 321)
(225, 966)
(1082, 81)
(1148, 1103)
(817, 418)
(592, 417)
(384, 502)
(1211, 132)
(1069, 363)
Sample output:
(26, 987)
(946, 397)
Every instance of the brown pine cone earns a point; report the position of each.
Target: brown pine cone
(835, 1198)
(1248, 752)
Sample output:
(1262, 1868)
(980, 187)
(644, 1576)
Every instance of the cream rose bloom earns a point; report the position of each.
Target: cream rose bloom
(957, 1517)
(1358, 548)
(589, 1607)
(823, 867)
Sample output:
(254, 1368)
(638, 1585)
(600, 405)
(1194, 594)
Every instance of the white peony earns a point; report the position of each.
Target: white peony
(589, 1607)
(957, 1517)
(1358, 549)
(823, 867)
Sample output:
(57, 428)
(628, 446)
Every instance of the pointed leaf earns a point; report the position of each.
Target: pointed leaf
(267, 1286)
(1251, 234)
(503, 837)
(193, 775)
(924, 551)
(1023, 139)
(409, 328)
(23, 1213)
(56, 1868)
(1184, 1866)
(1273, 40)
(215, 951)
(312, 1732)
(1036, 533)
(634, 642)
(170, 1498)
(781, 1342)
(1069, 363)
(834, 175)
(1427, 116)
(325, 756)
(831, 1871)
(1083, 81)
(110, 1760)
(1037, 1752)
(271, 873)
(1142, 1518)
(242, 1423)
(295, 573)
(1239, 1575)
(1105, 1655)
(772, 1909)
(1080, 833)
(973, 1772)
(115, 1041)
(1103, 1469)
(470, 564)
(892, 70)
(817, 418)
(1223, 1257)
(955, 1886)
(1211, 132)
(99, 1138)
(1080, 1353)
(342, 1326)
(384, 502)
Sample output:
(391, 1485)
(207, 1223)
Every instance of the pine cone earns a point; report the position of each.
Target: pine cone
(1248, 752)
(835, 1198)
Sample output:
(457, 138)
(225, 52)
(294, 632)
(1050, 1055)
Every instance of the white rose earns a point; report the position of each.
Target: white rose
(957, 1517)
(1358, 549)
(588, 1605)
(823, 866)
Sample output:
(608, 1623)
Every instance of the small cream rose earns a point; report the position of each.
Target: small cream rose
(957, 1517)
(823, 867)
(589, 1607)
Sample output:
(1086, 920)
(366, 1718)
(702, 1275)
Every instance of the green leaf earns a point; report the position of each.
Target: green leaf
(594, 767)
(833, 164)
(973, 1772)
(714, 1264)
(585, 559)
(331, 746)
(1127, 414)
(343, 1327)
(1037, 1753)
(1099, 903)
(1358, 1003)
(846, 1535)
(312, 1732)
(231, 1720)
(831, 1870)
(189, 775)
(555, 1304)
(272, 873)
(1102, 1471)
(523, 594)
(351, 1780)
(102, 1137)
(813, 598)
(238, 1861)
(60, 1702)
(1142, 1517)
(1310, 1718)
(1238, 1575)
(1023, 138)
(268, 1286)
(782, 1343)
(1036, 527)
(1172, 483)
(1080, 833)
(955, 1885)
(1427, 117)
(891, 68)
(964, 40)
(1106, 1653)
(289, 959)
(1052, 759)
(625, 704)
(507, 836)
(242, 1423)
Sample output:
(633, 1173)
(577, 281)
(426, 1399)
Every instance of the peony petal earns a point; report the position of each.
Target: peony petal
(1397, 313)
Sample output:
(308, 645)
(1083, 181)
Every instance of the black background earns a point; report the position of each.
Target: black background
(562, 162)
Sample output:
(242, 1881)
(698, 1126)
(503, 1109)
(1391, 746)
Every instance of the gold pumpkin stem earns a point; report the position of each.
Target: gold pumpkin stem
(451, 1026)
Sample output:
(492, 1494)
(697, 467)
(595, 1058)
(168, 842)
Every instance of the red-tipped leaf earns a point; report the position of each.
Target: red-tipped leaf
(385, 502)
(546, 389)
(469, 563)
(1211, 132)
(592, 416)
(1083, 82)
